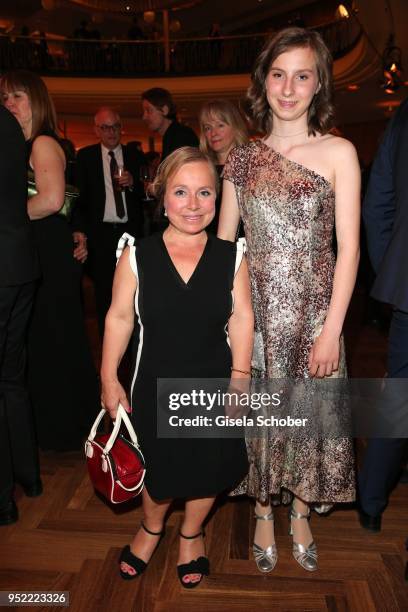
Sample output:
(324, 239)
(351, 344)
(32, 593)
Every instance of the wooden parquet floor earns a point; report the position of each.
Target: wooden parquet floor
(69, 540)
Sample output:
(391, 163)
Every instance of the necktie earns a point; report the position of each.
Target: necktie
(120, 209)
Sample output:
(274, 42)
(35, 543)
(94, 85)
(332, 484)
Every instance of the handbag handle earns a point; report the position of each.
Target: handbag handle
(120, 417)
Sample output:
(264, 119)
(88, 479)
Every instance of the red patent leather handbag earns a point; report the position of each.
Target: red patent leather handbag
(115, 463)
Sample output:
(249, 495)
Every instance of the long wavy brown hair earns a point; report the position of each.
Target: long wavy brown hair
(321, 111)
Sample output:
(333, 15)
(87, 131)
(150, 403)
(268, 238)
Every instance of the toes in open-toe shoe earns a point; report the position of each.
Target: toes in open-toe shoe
(197, 566)
(126, 556)
(137, 564)
(265, 558)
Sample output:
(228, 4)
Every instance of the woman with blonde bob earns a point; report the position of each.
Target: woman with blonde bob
(222, 127)
(292, 188)
(191, 294)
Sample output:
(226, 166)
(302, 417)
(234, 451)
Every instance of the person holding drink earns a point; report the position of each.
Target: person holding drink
(110, 201)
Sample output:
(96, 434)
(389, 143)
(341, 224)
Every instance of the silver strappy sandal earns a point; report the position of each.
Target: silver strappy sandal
(305, 556)
(265, 559)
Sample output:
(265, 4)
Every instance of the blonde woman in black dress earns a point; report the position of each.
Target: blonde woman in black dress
(191, 294)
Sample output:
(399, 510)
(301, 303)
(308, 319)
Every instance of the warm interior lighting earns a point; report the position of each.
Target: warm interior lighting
(6, 25)
(49, 5)
(175, 26)
(353, 87)
(342, 12)
(149, 16)
(392, 67)
(391, 88)
(387, 104)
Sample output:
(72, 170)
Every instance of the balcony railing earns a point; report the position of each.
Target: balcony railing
(117, 58)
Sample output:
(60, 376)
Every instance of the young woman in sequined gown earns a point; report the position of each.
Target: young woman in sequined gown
(291, 189)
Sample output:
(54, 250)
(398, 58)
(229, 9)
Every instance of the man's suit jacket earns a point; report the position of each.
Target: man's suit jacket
(18, 256)
(385, 213)
(90, 207)
(178, 135)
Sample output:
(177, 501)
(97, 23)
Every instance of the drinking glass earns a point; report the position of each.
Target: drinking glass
(146, 176)
(120, 169)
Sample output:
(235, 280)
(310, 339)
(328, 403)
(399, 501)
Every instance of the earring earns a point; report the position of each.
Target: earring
(165, 212)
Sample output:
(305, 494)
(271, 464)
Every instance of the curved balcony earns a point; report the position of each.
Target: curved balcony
(115, 58)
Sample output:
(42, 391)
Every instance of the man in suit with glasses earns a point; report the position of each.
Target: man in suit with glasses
(110, 202)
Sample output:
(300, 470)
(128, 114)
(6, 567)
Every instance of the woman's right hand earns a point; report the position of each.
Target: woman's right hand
(112, 395)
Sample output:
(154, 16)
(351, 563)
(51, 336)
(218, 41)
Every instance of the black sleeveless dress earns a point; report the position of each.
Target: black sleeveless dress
(183, 335)
(61, 376)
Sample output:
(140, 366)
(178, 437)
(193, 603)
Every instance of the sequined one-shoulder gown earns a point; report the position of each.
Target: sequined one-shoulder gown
(288, 215)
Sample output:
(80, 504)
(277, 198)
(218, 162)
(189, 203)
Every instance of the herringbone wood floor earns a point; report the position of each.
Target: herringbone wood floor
(69, 539)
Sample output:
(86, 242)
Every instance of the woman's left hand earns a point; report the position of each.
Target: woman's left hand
(80, 250)
(324, 355)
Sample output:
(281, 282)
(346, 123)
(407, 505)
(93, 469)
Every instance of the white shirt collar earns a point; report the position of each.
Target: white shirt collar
(116, 150)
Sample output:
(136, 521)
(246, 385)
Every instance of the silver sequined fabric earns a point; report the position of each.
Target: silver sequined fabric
(288, 215)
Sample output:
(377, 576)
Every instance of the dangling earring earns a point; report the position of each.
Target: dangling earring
(165, 212)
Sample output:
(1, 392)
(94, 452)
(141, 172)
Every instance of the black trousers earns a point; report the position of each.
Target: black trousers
(18, 450)
(102, 263)
(383, 457)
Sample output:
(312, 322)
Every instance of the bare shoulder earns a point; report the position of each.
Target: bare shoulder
(47, 144)
(46, 151)
(338, 148)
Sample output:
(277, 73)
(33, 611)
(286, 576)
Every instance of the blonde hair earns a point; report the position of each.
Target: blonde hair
(172, 164)
(226, 111)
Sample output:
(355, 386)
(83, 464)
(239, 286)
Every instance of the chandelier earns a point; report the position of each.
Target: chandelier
(392, 67)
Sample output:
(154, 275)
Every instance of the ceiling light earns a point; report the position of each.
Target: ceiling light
(353, 87)
(342, 12)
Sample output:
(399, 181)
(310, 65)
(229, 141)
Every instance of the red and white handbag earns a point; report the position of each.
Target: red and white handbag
(116, 465)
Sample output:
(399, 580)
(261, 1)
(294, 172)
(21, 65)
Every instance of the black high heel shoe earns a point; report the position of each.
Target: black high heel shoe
(126, 556)
(196, 566)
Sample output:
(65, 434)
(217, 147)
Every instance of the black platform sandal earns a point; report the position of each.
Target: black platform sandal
(126, 556)
(197, 566)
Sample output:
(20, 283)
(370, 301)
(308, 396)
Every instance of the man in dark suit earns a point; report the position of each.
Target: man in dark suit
(110, 202)
(18, 273)
(385, 214)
